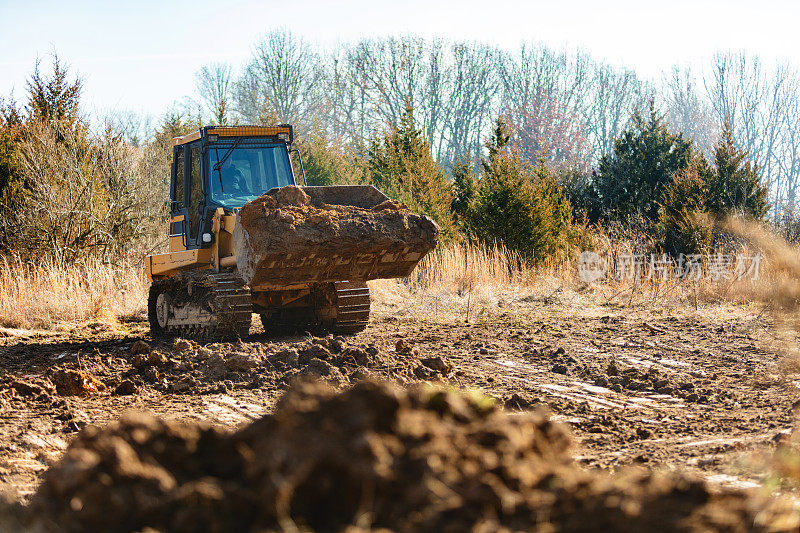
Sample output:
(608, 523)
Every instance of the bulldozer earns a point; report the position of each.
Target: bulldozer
(245, 238)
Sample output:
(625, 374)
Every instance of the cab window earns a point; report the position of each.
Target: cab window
(177, 179)
(195, 190)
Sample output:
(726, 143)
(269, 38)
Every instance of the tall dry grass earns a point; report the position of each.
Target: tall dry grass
(457, 279)
(464, 280)
(50, 296)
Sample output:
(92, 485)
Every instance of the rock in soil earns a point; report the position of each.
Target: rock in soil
(425, 459)
(76, 383)
(140, 347)
(126, 388)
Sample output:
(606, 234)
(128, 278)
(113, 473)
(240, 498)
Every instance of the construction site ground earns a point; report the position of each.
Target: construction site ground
(701, 390)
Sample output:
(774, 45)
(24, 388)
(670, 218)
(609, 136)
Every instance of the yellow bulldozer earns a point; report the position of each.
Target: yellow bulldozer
(244, 238)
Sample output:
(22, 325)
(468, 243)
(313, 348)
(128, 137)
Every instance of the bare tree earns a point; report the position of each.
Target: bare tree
(280, 80)
(136, 128)
(543, 94)
(349, 100)
(473, 88)
(688, 111)
(214, 88)
(759, 104)
(608, 107)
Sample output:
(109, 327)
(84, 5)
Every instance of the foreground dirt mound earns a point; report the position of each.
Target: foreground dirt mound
(374, 456)
(287, 236)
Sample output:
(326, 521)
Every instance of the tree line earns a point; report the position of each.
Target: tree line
(574, 146)
(565, 106)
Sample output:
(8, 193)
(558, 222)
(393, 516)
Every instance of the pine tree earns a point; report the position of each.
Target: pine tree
(11, 184)
(685, 223)
(54, 98)
(465, 184)
(633, 178)
(496, 144)
(519, 205)
(401, 165)
(735, 185)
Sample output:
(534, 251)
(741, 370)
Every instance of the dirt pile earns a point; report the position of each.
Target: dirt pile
(62, 381)
(221, 367)
(374, 456)
(289, 236)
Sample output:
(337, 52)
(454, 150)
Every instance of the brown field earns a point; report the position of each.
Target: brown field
(672, 377)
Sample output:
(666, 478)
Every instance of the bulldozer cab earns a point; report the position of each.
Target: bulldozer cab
(224, 167)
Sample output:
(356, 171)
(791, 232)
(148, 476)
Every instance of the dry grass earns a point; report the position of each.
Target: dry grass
(49, 296)
(456, 280)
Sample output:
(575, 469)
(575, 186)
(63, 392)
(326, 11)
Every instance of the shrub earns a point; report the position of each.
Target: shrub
(83, 193)
(576, 184)
(325, 161)
(701, 195)
(787, 225)
(685, 224)
(735, 186)
(465, 184)
(66, 191)
(10, 175)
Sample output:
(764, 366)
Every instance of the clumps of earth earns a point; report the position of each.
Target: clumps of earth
(59, 381)
(53, 390)
(192, 368)
(614, 375)
(375, 456)
(220, 367)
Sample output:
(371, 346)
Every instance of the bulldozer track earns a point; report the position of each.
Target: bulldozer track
(201, 305)
(340, 307)
(352, 307)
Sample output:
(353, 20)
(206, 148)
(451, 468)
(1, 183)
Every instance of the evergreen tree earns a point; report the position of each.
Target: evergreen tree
(401, 165)
(497, 144)
(325, 161)
(685, 223)
(632, 179)
(519, 205)
(54, 98)
(465, 185)
(11, 127)
(701, 194)
(735, 185)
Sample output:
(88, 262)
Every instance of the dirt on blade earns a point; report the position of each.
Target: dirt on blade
(289, 235)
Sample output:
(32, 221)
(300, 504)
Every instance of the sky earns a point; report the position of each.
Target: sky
(142, 56)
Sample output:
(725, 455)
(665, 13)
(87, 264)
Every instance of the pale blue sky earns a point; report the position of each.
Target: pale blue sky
(142, 55)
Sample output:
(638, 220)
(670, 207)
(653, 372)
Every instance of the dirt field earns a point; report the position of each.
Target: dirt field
(700, 391)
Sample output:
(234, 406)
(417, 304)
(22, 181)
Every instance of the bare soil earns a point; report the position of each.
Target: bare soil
(702, 392)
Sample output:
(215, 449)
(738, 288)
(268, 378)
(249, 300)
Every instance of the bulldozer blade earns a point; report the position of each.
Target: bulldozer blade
(328, 234)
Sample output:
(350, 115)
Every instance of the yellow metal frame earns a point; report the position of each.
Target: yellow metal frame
(220, 254)
(235, 131)
(160, 266)
(176, 241)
